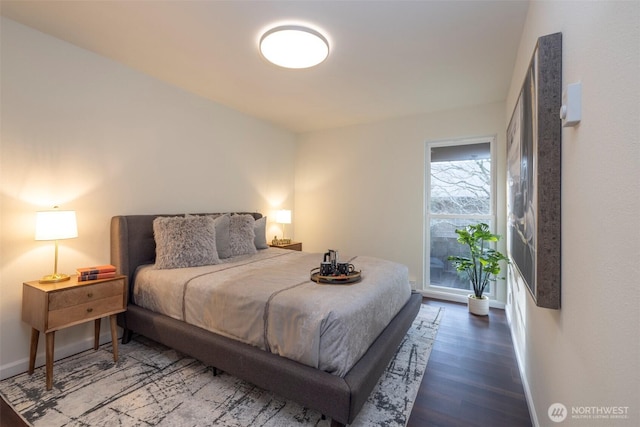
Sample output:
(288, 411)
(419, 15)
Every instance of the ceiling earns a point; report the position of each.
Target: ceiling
(388, 58)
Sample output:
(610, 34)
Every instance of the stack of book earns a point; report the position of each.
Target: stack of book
(94, 273)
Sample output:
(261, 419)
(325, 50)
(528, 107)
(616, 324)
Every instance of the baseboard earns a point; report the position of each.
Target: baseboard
(525, 384)
(22, 365)
(456, 298)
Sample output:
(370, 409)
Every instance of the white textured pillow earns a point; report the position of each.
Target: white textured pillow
(185, 242)
(260, 229)
(242, 235)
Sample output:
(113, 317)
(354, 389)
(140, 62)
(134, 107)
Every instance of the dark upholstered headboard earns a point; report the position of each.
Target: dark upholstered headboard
(132, 242)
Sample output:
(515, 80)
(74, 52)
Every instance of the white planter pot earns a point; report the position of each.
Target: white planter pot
(477, 306)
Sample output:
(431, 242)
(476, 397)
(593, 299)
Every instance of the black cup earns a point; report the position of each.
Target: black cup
(345, 268)
(326, 269)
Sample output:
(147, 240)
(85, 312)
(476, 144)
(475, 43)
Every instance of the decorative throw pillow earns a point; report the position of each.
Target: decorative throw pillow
(185, 241)
(222, 223)
(260, 229)
(242, 235)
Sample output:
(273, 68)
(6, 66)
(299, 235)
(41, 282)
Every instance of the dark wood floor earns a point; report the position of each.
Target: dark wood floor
(472, 378)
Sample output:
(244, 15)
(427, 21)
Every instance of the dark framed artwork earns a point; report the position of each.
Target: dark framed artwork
(533, 174)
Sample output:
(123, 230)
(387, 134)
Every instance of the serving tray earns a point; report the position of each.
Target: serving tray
(348, 279)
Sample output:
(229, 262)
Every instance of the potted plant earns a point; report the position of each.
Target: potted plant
(482, 267)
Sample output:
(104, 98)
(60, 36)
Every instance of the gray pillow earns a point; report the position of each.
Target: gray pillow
(242, 235)
(260, 229)
(185, 242)
(222, 223)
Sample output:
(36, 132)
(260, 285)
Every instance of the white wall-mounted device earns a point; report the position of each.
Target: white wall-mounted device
(571, 110)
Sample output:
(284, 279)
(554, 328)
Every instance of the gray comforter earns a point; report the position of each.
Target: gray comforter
(267, 300)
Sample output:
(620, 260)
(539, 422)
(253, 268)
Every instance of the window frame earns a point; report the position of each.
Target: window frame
(456, 294)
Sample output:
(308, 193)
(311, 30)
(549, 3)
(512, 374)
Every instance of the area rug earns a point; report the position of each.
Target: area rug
(153, 385)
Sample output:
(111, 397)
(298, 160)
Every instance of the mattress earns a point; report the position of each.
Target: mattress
(268, 300)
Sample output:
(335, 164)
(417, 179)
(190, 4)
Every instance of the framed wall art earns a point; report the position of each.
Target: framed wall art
(533, 174)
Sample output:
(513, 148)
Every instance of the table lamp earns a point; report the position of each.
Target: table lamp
(56, 225)
(283, 217)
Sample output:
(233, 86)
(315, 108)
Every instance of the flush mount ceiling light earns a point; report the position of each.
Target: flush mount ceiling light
(294, 46)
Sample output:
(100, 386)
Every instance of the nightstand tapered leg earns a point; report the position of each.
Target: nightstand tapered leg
(114, 336)
(96, 334)
(33, 350)
(50, 344)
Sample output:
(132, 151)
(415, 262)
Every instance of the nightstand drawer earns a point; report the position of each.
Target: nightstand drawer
(87, 311)
(84, 294)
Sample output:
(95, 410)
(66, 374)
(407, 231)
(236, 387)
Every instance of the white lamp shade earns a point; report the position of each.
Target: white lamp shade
(55, 225)
(283, 216)
(293, 46)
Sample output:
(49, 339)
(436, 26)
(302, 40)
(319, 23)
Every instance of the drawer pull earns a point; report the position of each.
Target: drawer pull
(90, 294)
(89, 310)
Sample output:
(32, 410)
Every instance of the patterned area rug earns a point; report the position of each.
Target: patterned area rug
(152, 385)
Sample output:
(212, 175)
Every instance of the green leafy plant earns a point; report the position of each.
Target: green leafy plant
(484, 264)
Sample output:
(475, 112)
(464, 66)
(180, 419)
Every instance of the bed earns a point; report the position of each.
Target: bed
(337, 389)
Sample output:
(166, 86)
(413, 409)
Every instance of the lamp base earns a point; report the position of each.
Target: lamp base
(54, 278)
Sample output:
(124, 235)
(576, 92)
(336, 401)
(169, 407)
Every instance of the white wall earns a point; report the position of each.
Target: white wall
(360, 189)
(91, 135)
(587, 354)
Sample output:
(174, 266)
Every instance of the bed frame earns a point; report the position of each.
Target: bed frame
(340, 398)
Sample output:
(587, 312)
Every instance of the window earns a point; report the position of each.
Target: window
(460, 191)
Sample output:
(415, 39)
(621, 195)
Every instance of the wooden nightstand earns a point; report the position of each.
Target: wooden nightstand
(48, 307)
(294, 246)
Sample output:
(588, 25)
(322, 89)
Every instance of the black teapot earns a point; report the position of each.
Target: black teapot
(332, 257)
(329, 263)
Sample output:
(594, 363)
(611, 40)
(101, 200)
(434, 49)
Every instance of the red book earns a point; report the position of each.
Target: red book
(96, 276)
(107, 268)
